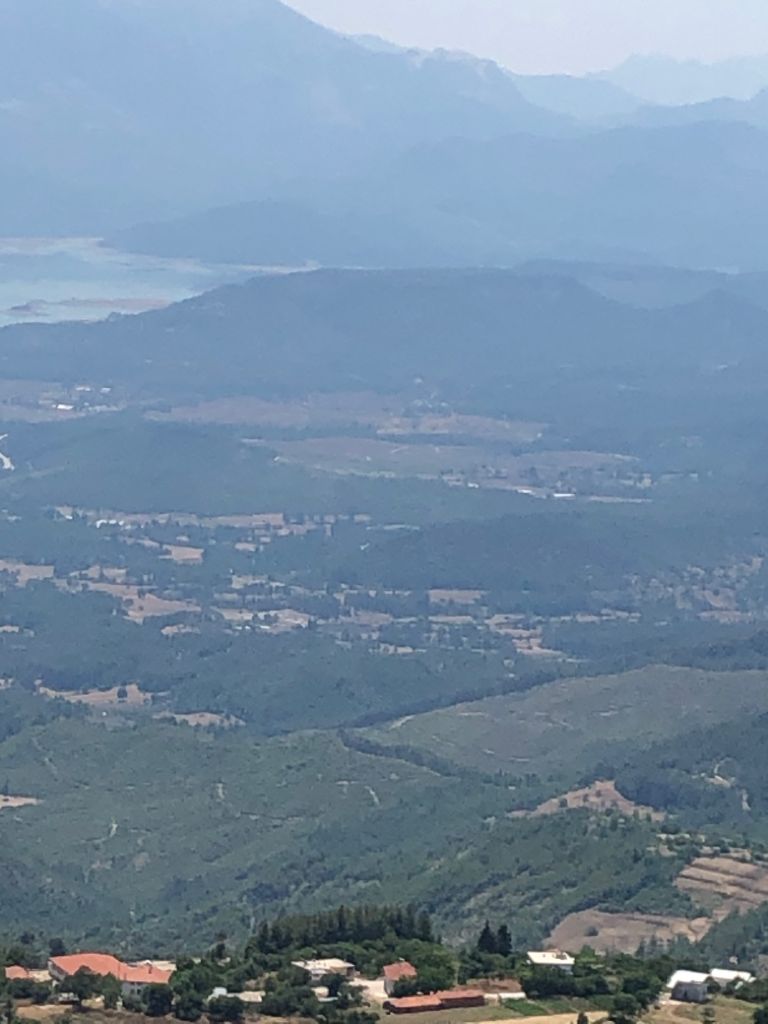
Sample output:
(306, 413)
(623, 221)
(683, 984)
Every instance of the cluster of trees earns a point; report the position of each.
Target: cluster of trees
(354, 925)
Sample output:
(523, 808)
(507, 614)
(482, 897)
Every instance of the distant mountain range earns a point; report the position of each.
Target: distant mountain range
(687, 195)
(114, 110)
(245, 132)
(664, 80)
(535, 344)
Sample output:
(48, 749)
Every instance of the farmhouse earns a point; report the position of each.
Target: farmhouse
(319, 969)
(689, 986)
(413, 1004)
(451, 999)
(133, 978)
(694, 986)
(393, 973)
(552, 958)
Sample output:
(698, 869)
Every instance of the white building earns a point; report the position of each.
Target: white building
(725, 977)
(552, 958)
(689, 987)
(694, 986)
(318, 969)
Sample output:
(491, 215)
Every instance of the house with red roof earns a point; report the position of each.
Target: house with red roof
(450, 999)
(393, 973)
(133, 978)
(17, 973)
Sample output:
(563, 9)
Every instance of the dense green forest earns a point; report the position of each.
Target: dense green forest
(292, 677)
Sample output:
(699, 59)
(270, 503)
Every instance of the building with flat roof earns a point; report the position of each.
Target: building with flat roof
(552, 958)
(319, 969)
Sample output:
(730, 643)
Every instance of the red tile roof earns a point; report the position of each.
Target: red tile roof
(16, 973)
(413, 1004)
(402, 969)
(104, 964)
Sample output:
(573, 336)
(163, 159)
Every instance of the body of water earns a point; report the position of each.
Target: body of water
(46, 280)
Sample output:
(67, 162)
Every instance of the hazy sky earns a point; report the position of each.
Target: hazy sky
(557, 35)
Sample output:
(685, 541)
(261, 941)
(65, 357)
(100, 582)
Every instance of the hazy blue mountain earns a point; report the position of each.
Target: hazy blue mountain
(694, 195)
(753, 111)
(541, 345)
(588, 98)
(114, 110)
(653, 287)
(665, 80)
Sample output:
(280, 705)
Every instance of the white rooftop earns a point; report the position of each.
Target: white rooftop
(550, 958)
(725, 977)
(687, 978)
(331, 964)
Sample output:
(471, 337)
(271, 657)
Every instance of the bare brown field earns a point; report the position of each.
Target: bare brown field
(600, 796)
(607, 933)
(727, 1011)
(184, 555)
(388, 415)
(726, 884)
(100, 698)
(42, 1013)
(719, 885)
(9, 803)
(25, 572)
(137, 602)
(92, 1014)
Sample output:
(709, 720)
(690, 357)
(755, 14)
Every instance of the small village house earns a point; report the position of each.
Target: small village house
(134, 978)
(552, 958)
(319, 969)
(392, 973)
(689, 987)
(450, 999)
(695, 986)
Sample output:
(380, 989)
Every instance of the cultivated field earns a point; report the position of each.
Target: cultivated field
(727, 1011)
(726, 884)
(623, 932)
(100, 698)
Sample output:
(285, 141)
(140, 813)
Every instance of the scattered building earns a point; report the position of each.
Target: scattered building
(251, 998)
(451, 999)
(393, 973)
(319, 969)
(689, 987)
(133, 978)
(507, 997)
(694, 986)
(725, 977)
(552, 958)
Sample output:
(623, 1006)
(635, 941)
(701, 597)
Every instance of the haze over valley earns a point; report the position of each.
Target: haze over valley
(382, 522)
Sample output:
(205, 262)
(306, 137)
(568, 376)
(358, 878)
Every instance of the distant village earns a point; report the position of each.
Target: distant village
(61, 979)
